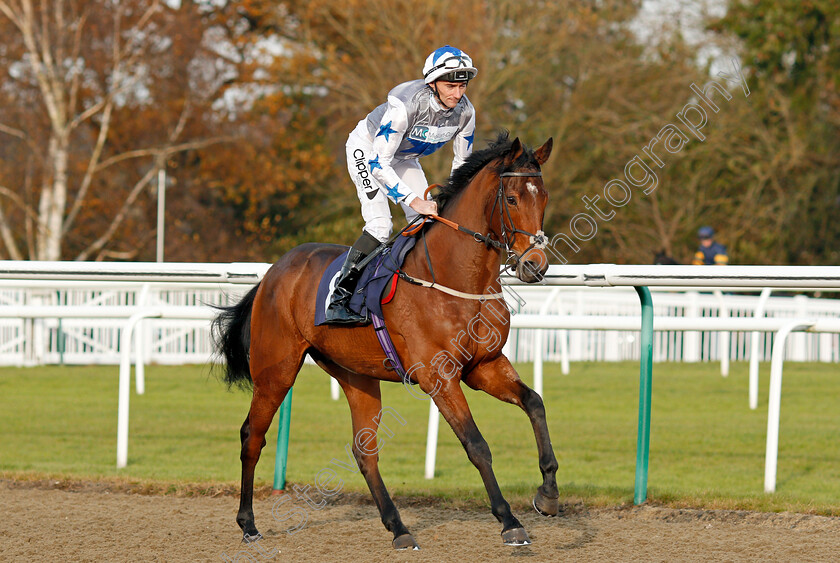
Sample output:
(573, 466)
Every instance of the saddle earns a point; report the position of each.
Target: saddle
(376, 286)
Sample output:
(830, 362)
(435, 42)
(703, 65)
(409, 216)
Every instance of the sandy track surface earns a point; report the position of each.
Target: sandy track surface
(38, 523)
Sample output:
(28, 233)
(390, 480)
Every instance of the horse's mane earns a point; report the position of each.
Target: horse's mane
(462, 175)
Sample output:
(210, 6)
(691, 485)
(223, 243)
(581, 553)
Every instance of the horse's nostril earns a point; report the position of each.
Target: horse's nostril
(531, 271)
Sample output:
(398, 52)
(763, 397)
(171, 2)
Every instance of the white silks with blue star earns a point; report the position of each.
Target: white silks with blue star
(410, 125)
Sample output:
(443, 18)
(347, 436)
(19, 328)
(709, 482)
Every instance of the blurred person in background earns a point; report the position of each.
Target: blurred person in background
(710, 252)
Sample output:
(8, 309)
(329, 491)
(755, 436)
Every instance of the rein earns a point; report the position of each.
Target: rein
(538, 240)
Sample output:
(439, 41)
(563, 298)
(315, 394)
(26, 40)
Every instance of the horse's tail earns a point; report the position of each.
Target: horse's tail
(231, 330)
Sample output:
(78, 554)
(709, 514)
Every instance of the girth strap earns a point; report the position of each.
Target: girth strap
(388, 347)
(386, 343)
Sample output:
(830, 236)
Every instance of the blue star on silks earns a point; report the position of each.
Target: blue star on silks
(393, 192)
(470, 139)
(386, 130)
(422, 148)
(374, 164)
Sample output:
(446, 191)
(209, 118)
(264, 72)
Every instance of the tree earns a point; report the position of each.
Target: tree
(98, 96)
(791, 54)
(527, 52)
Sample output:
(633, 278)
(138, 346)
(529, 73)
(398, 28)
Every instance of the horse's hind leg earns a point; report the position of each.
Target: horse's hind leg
(365, 401)
(270, 388)
(499, 379)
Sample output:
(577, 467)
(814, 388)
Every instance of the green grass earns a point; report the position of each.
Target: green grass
(707, 447)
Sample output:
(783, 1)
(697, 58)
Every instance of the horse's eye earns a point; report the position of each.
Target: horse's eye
(511, 200)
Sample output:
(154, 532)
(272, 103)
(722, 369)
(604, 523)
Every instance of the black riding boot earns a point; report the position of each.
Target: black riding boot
(339, 311)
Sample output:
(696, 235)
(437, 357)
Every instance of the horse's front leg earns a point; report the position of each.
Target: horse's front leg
(453, 406)
(499, 379)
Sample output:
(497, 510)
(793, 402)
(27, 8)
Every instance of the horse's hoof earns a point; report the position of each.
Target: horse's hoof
(251, 538)
(546, 506)
(405, 541)
(516, 536)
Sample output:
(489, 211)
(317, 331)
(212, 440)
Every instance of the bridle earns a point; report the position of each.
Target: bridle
(538, 240)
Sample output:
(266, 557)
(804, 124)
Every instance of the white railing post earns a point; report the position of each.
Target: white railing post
(38, 349)
(139, 349)
(774, 401)
(125, 383)
(431, 440)
(576, 351)
(799, 341)
(691, 339)
(563, 337)
(723, 339)
(538, 343)
(538, 360)
(825, 348)
(754, 353)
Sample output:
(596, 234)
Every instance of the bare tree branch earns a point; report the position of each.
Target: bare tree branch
(14, 198)
(76, 81)
(8, 238)
(91, 168)
(12, 131)
(167, 151)
(100, 243)
(29, 221)
(9, 12)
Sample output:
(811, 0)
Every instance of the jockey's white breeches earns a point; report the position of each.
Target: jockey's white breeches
(375, 209)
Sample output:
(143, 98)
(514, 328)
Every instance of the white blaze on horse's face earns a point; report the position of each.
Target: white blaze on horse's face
(525, 199)
(527, 213)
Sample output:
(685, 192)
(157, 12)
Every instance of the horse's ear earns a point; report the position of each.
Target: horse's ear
(515, 150)
(542, 153)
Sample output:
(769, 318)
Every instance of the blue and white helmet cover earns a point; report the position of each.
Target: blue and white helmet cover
(448, 63)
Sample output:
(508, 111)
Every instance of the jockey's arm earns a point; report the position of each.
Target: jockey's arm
(462, 144)
(392, 129)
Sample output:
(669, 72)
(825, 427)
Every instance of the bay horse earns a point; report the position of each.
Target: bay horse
(498, 191)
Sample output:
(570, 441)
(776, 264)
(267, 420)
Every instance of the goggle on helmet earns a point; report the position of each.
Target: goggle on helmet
(450, 64)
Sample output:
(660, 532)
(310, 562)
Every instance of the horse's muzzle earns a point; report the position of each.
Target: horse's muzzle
(531, 271)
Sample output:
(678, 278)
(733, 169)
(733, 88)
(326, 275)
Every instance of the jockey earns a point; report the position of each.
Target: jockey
(419, 117)
(710, 251)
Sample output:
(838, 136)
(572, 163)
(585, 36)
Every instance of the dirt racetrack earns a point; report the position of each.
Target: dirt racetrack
(46, 522)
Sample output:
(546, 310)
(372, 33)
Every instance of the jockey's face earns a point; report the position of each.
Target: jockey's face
(449, 93)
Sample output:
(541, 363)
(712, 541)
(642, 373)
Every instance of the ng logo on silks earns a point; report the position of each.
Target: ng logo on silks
(419, 132)
(432, 134)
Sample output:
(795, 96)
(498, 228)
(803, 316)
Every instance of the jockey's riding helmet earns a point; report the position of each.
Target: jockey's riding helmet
(450, 64)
